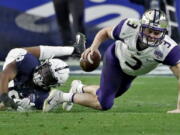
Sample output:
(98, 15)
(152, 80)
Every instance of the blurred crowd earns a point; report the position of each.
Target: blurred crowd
(168, 6)
(70, 17)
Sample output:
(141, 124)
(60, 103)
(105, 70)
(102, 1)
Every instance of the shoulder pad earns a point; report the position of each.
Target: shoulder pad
(130, 27)
(13, 55)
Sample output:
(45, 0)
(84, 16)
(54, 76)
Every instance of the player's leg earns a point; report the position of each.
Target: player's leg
(91, 89)
(113, 81)
(62, 14)
(77, 10)
(87, 99)
(101, 97)
(47, 52)
(44, 52)
(78, 87)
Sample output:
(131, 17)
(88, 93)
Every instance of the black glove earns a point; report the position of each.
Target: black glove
(8, 102)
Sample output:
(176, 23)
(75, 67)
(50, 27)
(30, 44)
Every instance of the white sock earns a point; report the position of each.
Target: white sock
(54, 51)
(67, 97)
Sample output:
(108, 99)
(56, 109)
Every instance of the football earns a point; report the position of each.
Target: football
(91, 62)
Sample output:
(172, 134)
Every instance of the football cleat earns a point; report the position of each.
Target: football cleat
(76, 87)
(79, 45)
(54, 100)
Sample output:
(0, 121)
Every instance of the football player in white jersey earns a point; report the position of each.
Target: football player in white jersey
(29, 73)
(140, 45)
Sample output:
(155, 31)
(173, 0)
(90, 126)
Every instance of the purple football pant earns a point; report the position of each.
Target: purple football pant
(114, 82)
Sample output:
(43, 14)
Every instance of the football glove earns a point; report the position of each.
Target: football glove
(24, 104)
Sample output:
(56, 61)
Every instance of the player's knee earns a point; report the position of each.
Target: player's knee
(105, 99)
(106, 105)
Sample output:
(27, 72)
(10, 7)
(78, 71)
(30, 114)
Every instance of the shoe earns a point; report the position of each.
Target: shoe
(54, 100)
(76, 87)
(79, 45)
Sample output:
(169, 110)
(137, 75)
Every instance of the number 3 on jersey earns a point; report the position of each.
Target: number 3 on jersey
(136, 66)
(132, 24)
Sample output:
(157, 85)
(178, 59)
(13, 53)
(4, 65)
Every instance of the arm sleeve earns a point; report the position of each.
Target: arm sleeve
(117, 30)
(173, 57)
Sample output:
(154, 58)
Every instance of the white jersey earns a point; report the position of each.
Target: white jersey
(14, 54)
(132, 61)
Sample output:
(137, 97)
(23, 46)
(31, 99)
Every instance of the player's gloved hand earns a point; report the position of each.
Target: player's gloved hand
(24, 104)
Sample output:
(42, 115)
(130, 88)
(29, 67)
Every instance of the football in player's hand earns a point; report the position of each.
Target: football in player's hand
(91, 62)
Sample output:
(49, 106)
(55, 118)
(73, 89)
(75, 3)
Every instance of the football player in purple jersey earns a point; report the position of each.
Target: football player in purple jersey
(140, 46)
(29, 74)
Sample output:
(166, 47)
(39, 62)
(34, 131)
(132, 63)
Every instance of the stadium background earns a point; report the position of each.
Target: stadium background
(28, 23)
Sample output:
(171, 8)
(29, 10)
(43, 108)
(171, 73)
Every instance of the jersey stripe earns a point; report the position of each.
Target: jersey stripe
(173, 57)
(117, 30)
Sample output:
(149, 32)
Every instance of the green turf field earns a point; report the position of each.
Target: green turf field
(140, 111)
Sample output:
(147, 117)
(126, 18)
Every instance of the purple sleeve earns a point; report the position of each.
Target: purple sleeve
(117, 30)
(173, 57)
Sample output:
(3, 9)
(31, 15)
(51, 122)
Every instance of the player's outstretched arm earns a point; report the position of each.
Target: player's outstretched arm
(34, 50)
(103, 35)
(176, 71)
(44, 52)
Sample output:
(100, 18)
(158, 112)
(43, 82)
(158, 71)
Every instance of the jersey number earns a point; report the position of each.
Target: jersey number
(131, 24)
(136, 66)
